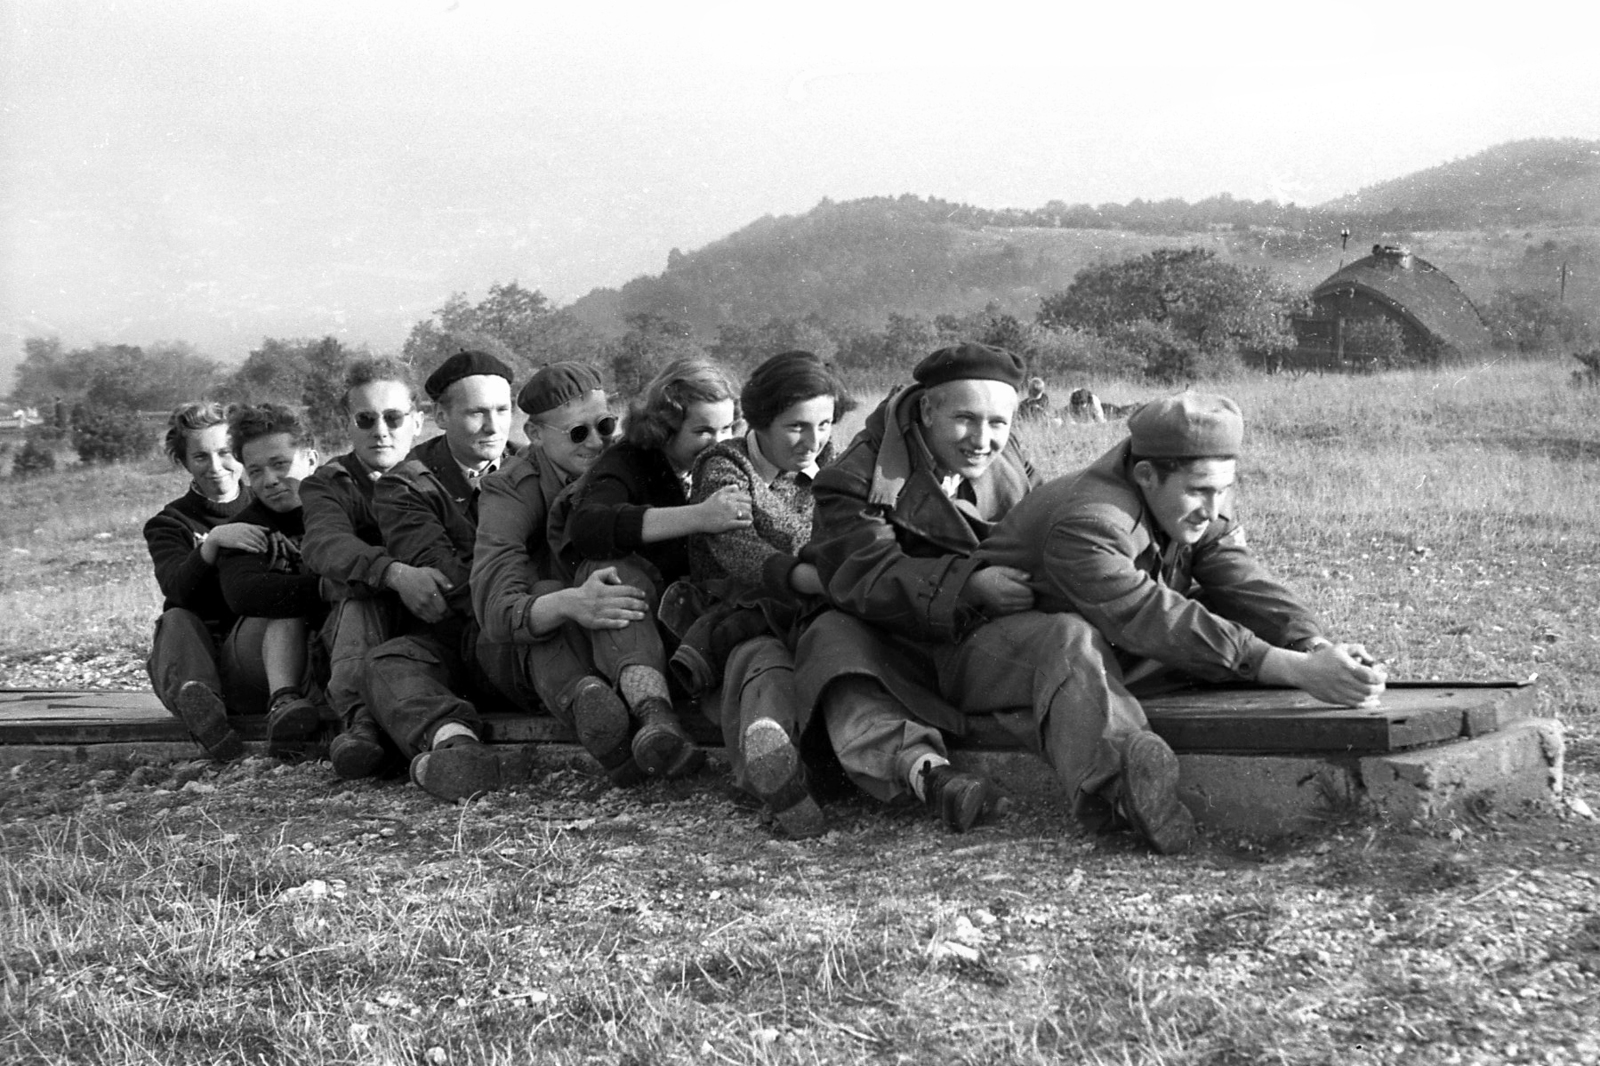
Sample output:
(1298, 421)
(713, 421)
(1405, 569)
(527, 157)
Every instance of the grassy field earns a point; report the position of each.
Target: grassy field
(270, 913)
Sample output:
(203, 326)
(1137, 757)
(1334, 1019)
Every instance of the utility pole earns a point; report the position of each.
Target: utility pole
(1344, 242)
(1563, 282)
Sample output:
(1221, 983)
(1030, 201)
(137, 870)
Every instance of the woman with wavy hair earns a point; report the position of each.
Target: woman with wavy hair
(631, 512)
(185, 539)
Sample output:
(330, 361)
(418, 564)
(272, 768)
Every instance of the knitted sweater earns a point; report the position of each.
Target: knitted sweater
(174, 536)
(762, 556)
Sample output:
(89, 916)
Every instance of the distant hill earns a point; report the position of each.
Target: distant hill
(857, 261)
(1510, 184)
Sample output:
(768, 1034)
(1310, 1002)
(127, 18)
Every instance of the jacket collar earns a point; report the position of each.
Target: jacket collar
(895, 462)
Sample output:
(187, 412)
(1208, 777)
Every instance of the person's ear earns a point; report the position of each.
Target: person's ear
(1144, 474)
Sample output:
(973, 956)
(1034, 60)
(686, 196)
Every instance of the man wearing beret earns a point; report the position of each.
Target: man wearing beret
(520, 591)
(423, 687)
(344, 545)
(897, 522)
(1143, 552)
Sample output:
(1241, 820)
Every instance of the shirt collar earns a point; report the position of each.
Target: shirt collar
(474, 474)
(951, 485)
(766, 470)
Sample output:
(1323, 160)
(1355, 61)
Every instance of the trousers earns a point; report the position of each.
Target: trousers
(185, 649)
(417, 682)
(637, 643)
(1051, 680)
(758, 682)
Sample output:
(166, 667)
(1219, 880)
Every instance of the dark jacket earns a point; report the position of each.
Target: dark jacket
(343, 542)
(890, 546)
(274, 583)
(513, 563)
(1209, 609)
(174, 536)
(602, 515)
(429, 517)
(894, 553)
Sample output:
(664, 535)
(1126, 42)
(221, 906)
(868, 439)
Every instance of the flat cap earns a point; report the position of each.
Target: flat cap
(464, 364)
(557, 384)
(969, 361)
(1187, 426)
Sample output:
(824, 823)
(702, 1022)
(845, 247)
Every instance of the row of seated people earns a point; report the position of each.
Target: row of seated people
(877, 600)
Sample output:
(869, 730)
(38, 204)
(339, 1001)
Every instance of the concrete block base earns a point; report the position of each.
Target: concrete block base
(1266, 793)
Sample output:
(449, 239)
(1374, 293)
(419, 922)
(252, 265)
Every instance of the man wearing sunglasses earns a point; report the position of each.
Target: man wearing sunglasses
(344, 544)
(520, 590)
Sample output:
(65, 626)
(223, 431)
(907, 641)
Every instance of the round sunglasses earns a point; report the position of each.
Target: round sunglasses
(579, 433)
(366, 421)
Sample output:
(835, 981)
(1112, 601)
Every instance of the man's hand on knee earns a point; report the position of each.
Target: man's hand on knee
(604, 602)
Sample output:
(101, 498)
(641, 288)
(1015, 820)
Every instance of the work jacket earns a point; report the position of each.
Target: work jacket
(895, 552)
(513, 563)
(343, 542)
(1092, 546)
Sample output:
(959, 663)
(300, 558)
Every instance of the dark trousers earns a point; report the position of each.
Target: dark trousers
(185, 649)
(418, 682)
(354, 627)
(758, 682)
(638, 643)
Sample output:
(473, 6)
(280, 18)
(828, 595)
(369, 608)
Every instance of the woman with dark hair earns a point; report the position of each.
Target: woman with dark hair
(631, 511)
(791, 403)
(186, 538)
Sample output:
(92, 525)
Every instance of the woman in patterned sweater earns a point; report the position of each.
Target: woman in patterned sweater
(790, 404)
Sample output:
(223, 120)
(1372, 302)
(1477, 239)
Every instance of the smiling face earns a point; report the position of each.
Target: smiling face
(551, 432)
(209, 458)
(475, 414)
(1186, 500)
(704, 424)
(275, 467)
(798, 434)
(376, 403)
(967, 424)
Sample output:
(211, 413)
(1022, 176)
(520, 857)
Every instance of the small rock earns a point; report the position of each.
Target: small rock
(1577, 806)
(436, 1056)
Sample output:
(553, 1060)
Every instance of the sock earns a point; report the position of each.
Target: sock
(283, 695)
(919, 768)
(450, 730)
(639, 683)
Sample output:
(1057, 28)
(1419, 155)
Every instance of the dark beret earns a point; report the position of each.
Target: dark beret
(557, 384)
(969, 361)
(463, 364)
(1187, 426)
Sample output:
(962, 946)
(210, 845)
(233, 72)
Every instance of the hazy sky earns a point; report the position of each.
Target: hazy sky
(218, 171)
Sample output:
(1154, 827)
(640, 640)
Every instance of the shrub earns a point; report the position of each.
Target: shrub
(109, 434)
(35, 457)
(1532, 321)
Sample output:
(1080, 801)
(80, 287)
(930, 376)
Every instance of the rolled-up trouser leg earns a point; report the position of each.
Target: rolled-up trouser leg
(182, 650)
(1065, 671)
(758, 682)
(637, 643)
(354, 627)
(877, 739)
(411, 686)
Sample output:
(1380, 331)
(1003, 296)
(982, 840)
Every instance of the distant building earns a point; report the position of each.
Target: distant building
(1433, 317)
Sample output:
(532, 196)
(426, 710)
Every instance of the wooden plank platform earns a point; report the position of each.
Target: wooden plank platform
(1413, 715)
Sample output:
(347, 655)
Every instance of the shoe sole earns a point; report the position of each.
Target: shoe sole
(355, 756)
(970, 803)
(664, 750)
(206, 717)
(294, 722)
(466, 770)
(770, 761)
(600, 719)
(1150, 795)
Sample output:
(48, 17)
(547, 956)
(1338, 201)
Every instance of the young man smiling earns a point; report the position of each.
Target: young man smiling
(344, 544)
(278, 599)
(520, 589)
(1143, 559)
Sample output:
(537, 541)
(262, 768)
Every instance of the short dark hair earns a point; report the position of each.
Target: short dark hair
(376, 368)
(656, 416)
(787, 379)
(246, 424)
(192, 417)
